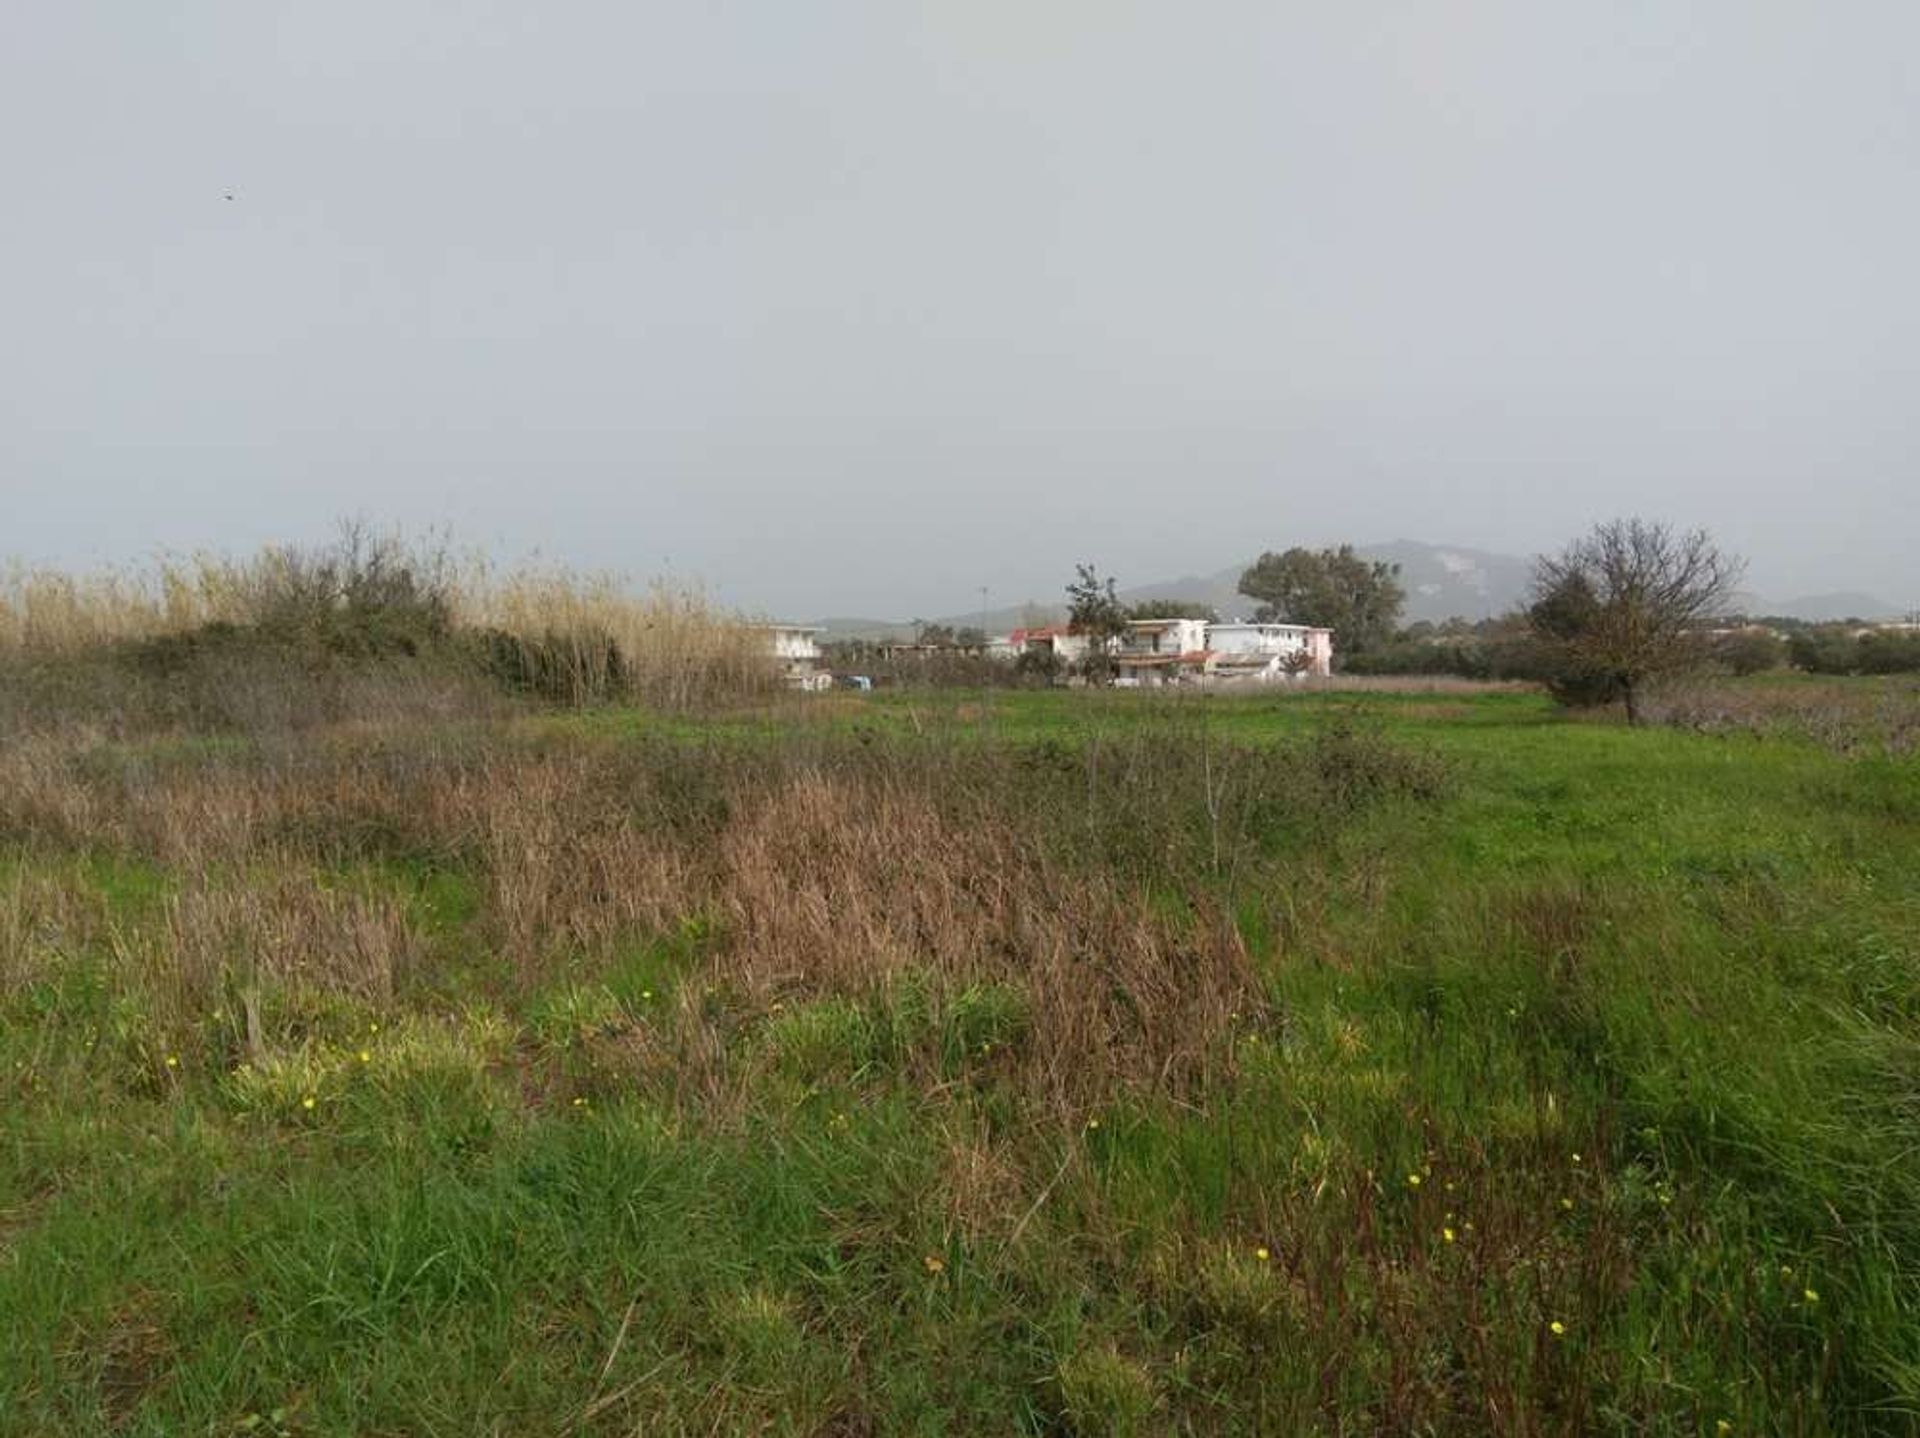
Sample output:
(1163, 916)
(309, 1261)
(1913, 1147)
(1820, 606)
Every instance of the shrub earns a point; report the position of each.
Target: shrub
(1888, 652)
(1749, 651)
(1841, 651)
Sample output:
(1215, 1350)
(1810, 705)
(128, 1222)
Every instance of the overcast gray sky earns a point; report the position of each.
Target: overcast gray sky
(855, 307)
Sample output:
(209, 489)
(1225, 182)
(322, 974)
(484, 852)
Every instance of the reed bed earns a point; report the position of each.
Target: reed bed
(290, 638)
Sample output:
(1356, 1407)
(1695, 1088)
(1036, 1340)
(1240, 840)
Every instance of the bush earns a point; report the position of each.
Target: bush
(1575, 688)
(1488, 657)
(1839, 651)
(1749, 651)
(1887, 652)
(584, 667)
(364, 596)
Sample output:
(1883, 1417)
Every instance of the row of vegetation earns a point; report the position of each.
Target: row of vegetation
(1626, 608)
(291, 638)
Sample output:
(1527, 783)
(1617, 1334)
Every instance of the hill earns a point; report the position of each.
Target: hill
(1443, 581)
(1842, 604)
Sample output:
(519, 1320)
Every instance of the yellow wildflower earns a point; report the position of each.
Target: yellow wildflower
(1448, 1234)
(366, 1056)
(1413, 1180)
(1810, 1295)
(173, 1061)
(1557, 1329)
(1262, 1254)
(308, 1102)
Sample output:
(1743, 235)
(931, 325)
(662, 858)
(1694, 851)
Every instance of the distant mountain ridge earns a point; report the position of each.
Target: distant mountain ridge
(1843, 604)
(1443, 581)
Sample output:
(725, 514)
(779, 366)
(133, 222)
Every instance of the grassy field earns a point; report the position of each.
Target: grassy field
(987, 1063)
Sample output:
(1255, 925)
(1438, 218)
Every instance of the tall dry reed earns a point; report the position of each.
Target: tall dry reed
(288, 637)
(591, 636)
(47, 611)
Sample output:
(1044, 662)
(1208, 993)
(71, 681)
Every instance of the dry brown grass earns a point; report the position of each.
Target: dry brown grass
(1851, 715)
(827, 879)
(130, 1356)
(565, 865)
(830, 887)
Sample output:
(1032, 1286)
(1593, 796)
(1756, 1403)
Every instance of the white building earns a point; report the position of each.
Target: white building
(1052, 639)
(1260, 652)
(796, 648)
(1163, 651)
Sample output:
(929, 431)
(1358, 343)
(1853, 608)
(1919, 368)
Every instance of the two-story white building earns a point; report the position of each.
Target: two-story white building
(1050, 640)
(1260, 652)
(1163, 651)
(796, 649)
(1175, 650)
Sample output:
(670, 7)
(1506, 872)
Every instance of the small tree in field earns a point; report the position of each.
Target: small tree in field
(1624, 606)
(1095, 611)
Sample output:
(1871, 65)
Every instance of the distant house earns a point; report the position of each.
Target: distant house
(1163, 651)
(1263, 652)
(1055, 640)
(1174, 650)
(796, 648)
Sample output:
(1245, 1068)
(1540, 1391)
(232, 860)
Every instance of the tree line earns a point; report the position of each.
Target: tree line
(1629, 604)
(1622, 608)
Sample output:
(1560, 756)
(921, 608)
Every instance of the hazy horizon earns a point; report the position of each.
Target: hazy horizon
(856, 310)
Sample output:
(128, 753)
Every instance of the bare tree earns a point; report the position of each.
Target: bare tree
(1626, 605)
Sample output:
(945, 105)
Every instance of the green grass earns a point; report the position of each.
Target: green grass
(1616, 1030)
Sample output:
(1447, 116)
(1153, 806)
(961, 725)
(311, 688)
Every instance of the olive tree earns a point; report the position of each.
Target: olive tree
(1358, 599)
(1095, 611)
